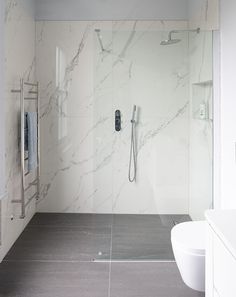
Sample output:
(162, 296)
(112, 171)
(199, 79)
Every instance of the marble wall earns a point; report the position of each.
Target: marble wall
(19, 62)
(84, 161)
(201, 126)
(204, 14)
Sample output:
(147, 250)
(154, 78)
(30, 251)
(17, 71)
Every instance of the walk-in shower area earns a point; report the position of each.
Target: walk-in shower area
(126, 128)
(126, 124)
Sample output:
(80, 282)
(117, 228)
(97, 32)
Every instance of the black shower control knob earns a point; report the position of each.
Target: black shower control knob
(117, 120)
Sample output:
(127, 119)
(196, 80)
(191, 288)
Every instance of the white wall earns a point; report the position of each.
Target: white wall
(228, 104)
(111, 9)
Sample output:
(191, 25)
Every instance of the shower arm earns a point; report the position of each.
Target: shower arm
(100, 41)
(179, 31)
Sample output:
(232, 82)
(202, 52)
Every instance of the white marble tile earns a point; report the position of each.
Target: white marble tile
(149, 75)
(19, 62)
(161, 186)
(201, 149)
(204, 14)
(77, 167)
(84, 161)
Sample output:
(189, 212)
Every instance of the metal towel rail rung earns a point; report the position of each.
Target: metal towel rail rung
(30, 199)
(30, 84)
(36, 182)
(29, 98)
(31, 185)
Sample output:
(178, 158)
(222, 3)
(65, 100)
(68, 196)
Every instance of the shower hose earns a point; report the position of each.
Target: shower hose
(132, 158)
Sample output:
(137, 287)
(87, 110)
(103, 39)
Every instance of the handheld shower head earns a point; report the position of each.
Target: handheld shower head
(134, 113)
(133, 151)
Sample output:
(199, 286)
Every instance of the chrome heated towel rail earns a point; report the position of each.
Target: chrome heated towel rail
(28, 91)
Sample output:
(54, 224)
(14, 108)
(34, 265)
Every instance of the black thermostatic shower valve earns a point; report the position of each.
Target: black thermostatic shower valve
(117, 120)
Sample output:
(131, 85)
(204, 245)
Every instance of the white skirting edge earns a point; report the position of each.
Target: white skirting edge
(3, 195)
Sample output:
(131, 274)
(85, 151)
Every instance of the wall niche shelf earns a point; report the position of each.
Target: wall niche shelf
(204, 83)
(202, 100)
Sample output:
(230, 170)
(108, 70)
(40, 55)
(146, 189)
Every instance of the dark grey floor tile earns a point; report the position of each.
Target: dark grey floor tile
(41, 279)
(138, 221)
(85, 237)
(148, 280)
(71, 219)
(134, 245)
(62, 243)
(144, 237)
(181, 218)
(172, 220)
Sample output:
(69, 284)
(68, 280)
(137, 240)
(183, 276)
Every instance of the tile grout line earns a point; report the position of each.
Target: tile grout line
(90, 261)
(110, 263)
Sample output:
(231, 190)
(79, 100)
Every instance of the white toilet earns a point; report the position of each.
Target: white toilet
(188, 243)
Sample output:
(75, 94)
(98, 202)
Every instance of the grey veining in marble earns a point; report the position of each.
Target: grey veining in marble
(201, 132)
(19, 62)
(151, 134)
(91, 158)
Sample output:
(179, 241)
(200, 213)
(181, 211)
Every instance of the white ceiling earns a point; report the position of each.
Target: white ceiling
(111, 9)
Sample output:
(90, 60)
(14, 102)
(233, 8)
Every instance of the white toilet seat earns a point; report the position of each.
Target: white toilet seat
(190, 237)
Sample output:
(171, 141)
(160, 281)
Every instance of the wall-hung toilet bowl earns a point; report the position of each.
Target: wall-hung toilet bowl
(188, 243)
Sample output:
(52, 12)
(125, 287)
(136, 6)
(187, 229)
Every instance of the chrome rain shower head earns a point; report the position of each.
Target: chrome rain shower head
(170, 40)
